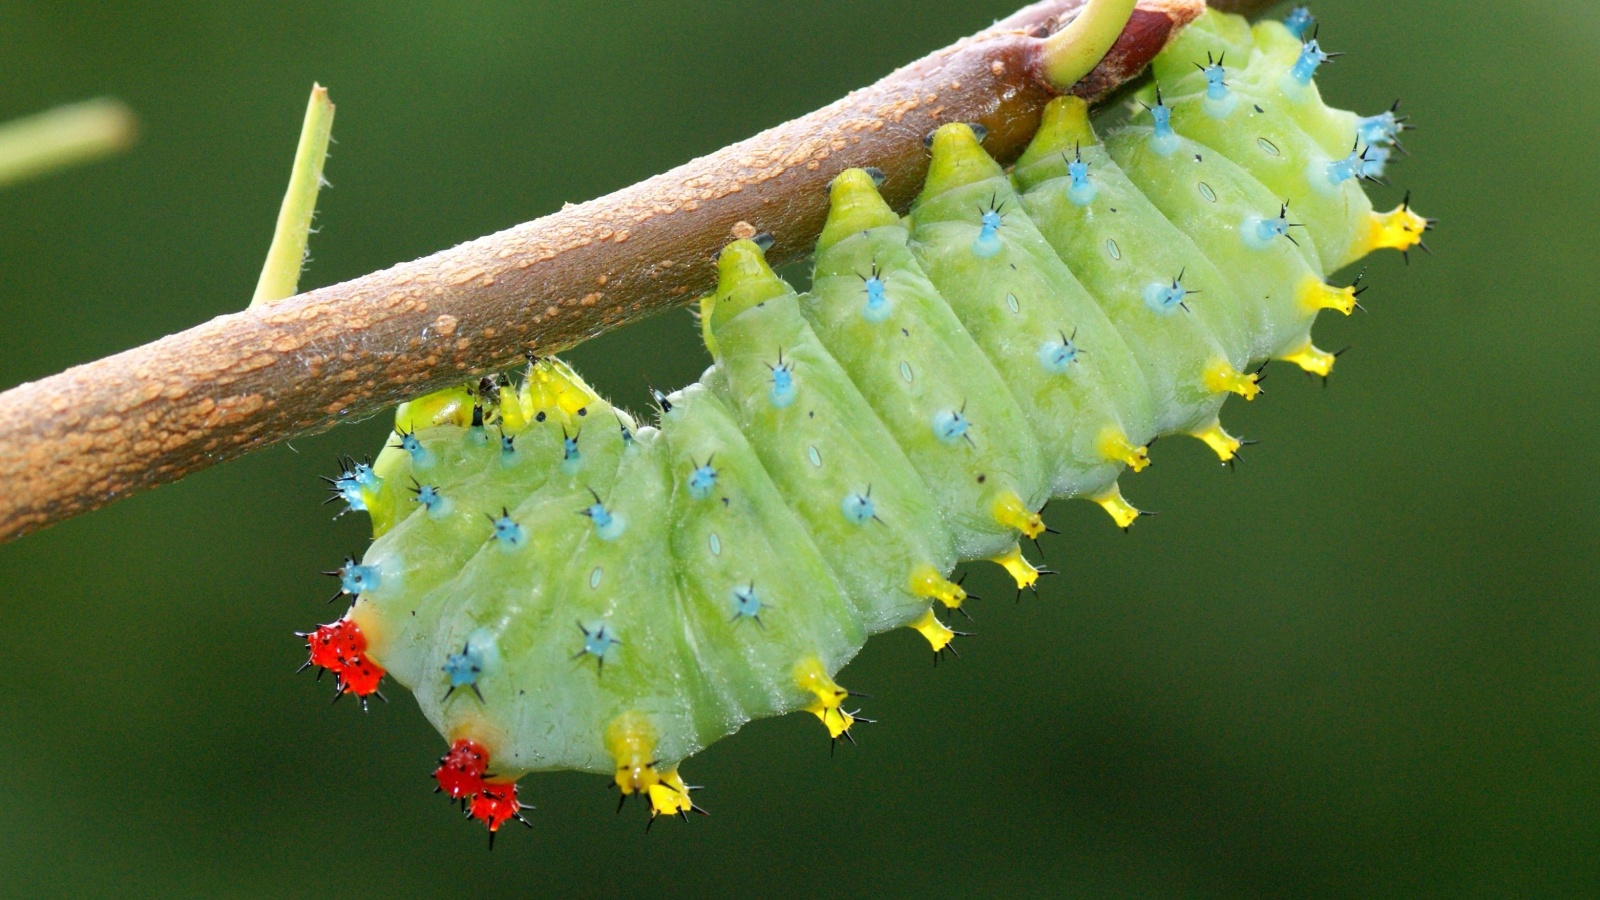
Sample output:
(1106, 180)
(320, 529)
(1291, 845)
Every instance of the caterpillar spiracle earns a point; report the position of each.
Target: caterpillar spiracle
(565, 587)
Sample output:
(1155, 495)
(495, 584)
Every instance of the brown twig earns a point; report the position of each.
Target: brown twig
(100, 431)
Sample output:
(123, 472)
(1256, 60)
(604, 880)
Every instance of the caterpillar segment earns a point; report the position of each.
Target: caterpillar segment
(563, 587)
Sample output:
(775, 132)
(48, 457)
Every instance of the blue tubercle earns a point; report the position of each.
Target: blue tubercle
(1298, 78)
(463, 669)
(1374, 162)
(783, 390)
(1259, 233)
(421, 457)
(364, 476)
(1058, 356)
(475, 433)
(349, 490)
(508, 534)
(858, 508)
(508, 449)
(432, 500)
(1164, 298)
(1163, 140)
(876, 308)
(357, 579)
(746, 604)
(571, 459)
(1220, 102)
(1081, 192)
(597, 641)
(607, 524)
(1299, 21)
(1383, 128)
(702, 481)
(950, 425)
(987, 243)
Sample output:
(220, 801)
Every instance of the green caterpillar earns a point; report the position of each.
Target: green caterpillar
(565, 588)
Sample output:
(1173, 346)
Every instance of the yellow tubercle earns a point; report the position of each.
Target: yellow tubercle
(1115, 446)
(1316, 295)
(512, 419)
(1224, 378)
(1311, 358)
(1225, 445)
(450, 406)
(670, 796)
(937, 633)
(631, 741)
(1022, 571)
(1111, 500)
(811, 676)
(1399, 229)
(1010, 511)
(553, 388)
(927, 582)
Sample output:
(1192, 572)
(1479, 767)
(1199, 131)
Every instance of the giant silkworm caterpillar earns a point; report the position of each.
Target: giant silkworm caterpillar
(563, 587)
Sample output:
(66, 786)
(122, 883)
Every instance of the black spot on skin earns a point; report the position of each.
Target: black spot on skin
(724, 502)
(982, 478)
(583, 410)
(812, 414)
(539, 417)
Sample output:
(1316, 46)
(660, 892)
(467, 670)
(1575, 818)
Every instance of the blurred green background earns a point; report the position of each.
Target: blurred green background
(1365, 664)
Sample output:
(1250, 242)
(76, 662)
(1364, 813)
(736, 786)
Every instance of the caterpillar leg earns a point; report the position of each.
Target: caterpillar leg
(1122, 512)
(1225, 445)
(828, 707)
(631, 740)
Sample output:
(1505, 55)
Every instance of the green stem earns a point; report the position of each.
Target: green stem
(1075, 50)
(64, 136)
(280, 276)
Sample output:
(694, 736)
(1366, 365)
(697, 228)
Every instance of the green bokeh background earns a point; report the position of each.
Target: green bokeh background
(1365, 664)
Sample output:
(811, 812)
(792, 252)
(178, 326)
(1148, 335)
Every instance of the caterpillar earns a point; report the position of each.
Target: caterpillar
(563, 586)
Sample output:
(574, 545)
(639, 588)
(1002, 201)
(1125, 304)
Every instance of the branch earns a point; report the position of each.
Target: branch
(97, 432)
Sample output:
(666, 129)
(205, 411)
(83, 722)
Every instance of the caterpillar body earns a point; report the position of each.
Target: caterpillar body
(563, 587)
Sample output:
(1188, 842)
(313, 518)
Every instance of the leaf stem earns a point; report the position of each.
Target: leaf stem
(280, 276)
(63, 136)
(1075, 50)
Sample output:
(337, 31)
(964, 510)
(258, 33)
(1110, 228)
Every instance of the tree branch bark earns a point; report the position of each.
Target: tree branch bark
(97, 432)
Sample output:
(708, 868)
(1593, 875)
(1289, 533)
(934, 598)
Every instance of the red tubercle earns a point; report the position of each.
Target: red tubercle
(341, 648)
(496, 803)
(361, 676)
(460, 773)
(332, 645)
